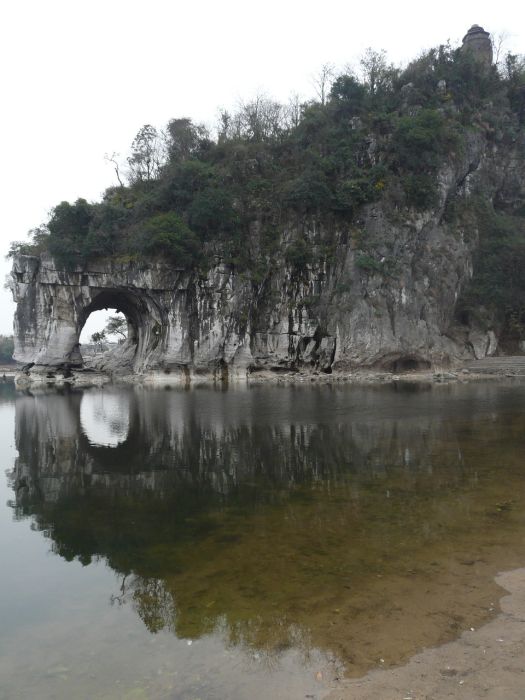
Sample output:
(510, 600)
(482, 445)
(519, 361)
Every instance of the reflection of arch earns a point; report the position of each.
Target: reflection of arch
(104, 419)
(195, 568)
(122, 454)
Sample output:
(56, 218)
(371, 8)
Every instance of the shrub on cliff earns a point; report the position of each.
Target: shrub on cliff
(498, 283)
(7, 348)
(299, 255)
(167, 235)
(211, 213)
(419, 144)
(68, 231)
(385, 134)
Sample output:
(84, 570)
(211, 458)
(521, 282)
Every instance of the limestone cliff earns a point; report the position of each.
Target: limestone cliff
(393, 307)
(375, 286)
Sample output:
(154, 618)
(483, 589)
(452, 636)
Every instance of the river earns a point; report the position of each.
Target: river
(251, 542)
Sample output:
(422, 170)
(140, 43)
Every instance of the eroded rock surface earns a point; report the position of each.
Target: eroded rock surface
(387, 303)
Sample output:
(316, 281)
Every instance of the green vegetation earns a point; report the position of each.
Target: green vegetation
(497, 291)
(368, 263)
(186, 197)
(298, 254)
(115, 326)
(7, 349)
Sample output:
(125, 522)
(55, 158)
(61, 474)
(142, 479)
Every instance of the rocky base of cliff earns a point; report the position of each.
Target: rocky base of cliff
(39, 376)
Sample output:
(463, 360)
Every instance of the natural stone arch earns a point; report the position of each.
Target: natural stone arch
(145, 325)
(122, 302)
(53, 305)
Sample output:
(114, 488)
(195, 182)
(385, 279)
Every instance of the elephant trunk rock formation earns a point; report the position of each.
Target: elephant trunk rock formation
(396, 314)
(379, 291)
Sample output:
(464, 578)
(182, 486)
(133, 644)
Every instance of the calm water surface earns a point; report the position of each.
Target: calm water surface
(250, 543)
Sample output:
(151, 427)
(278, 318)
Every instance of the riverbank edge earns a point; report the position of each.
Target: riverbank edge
(482, 663)
(87, 378)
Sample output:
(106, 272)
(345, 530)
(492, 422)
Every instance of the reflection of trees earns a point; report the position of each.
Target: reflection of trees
(7, 391)
(149, 597)
(157, 606)
(275, 532)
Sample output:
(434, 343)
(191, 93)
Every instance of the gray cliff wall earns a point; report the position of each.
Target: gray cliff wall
(384, 298)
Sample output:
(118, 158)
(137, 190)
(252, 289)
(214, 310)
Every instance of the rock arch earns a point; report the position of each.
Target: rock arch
(146, 322)
(183, 325)
(53, 306)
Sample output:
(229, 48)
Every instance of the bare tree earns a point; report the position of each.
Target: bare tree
(293, 111)
(322, 81)
(499, 42)
(512, 69)
(258, 119)
(147, 155)
(377, 74)
(113, 159)
(224, 125)
(262, 118)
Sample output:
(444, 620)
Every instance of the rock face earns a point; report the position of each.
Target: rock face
(220, 325)
(385, 297)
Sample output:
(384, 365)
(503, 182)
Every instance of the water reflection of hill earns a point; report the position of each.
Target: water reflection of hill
(278, 516)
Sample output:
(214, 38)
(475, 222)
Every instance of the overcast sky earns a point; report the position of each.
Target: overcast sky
(79, 78)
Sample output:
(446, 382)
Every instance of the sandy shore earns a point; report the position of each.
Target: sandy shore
(487, 663)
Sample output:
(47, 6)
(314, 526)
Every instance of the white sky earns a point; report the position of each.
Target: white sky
(97, 321)
(79, 78)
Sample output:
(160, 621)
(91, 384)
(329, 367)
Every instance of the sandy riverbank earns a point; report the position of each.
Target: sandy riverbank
(484, 663)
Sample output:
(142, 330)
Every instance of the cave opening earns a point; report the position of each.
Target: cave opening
(105, 327)
(408, 364)
(110, 325)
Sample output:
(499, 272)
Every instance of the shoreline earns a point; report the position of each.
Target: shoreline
(161, 379)
(482, 663)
